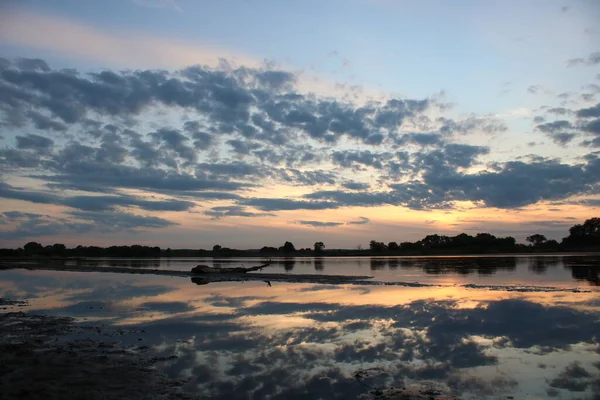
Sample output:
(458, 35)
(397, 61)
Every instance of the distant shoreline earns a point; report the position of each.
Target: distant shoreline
(328, 254)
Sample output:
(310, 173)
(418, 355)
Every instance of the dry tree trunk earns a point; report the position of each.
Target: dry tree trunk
(205, 269)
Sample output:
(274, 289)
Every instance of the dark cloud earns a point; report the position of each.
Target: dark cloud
(173, 140)
(319, 224)
(232, 211)
(421, 139)
(472, 124)
(574, 378)
(93, 203)
(245, 126)
(32, 64)
(9, 192)
(117, 221)
(308, 178)
(514, 184)
(34, 226)
(274, 204)
(593, 126)
(230, 170)
(361, 221)
(559, 111)
(555, 126)
(224, 97)
(243, 146)
(592, 59)
(562, 138)
(354, 159)
(210, 195)
(356, 185)
(104, 203)
(35, 142)
(13, 159)
(76, 170)
(460, 155)
(595, 142)
(559, 131)
(591, 112)
(276, 79)
(405, 195)
(43, 122)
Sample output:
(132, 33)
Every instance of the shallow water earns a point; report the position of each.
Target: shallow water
(290, 340)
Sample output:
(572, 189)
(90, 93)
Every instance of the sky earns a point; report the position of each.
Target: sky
(186, 124)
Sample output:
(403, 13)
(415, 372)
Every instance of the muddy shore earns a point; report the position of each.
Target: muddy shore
(45, 357)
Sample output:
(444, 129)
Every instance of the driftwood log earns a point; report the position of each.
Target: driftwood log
(205, 269)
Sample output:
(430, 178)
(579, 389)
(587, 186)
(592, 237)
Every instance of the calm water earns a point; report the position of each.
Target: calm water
(306, 341)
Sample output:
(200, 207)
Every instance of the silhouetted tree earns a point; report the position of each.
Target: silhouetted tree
(536, 239)
(217, 248)
(33, 248)
(377, 246)
(587, 234)
(288, 247)
(319, 246)
(393, 246)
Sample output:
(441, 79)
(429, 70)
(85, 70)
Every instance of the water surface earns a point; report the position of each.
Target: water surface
(247, 340)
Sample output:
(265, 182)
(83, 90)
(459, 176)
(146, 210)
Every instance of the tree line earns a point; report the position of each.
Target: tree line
(582, 237)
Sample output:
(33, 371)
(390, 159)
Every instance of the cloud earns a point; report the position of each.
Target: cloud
(421, 139)
(118, 221)
(559, 111)
(9, 192)
(93, 203)
(232, 211)
(34, 226)
(514, 184)
(35, 142)
(561, 132)
(275, 204)
(591, 112)
(356, 185)
(124, 176)
(251, 127)
(473, 124)
(574, 378)
(352, 159)
(224, 97)
(158, 4)
(361, 221)
(555, 126)
(319, 224)
(104, 203)
(592, 59)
